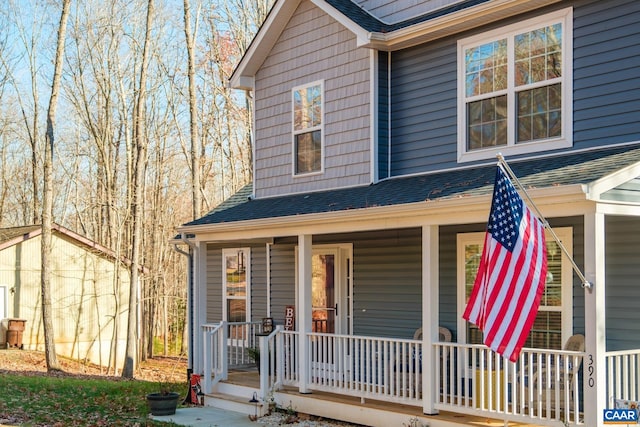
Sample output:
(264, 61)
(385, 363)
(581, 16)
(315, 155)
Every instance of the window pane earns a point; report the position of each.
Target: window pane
(547, 328)
(539, 113)
(538, 55)
(485, 68)
(552, 296)
(308, 152)
(487, 121)
(298, 111)
(314, 101)
(236, 275)
(236, 310)
(546, 331)
(307, 108)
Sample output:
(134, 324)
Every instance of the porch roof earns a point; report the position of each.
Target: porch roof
(583, 167)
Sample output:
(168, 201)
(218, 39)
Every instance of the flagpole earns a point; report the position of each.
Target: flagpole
(503, 163)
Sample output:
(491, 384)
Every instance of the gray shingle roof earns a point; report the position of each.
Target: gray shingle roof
(371, 23)
(577, 168)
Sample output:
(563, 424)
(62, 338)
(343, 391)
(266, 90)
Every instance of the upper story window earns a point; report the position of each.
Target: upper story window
(514, 87)
(307, 128)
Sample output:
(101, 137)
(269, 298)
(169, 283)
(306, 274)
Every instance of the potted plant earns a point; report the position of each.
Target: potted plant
(163, 402)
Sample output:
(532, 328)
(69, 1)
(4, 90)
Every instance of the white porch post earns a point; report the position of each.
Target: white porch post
(199, 303)
(595, 399)
(303, 317)
(430, 315)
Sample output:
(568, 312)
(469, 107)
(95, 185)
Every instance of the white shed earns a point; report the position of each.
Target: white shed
(90, 294)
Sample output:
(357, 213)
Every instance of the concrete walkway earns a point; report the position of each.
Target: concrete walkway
(206, 416)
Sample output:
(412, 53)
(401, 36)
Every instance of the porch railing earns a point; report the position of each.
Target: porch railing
(623, 376)
(542, 385)
(214, 359)
(366, 367)
(227, 345)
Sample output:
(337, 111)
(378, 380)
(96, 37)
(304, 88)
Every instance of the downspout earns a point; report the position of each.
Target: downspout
(190, 305)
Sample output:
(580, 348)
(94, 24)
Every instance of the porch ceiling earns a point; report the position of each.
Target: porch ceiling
(552, 172)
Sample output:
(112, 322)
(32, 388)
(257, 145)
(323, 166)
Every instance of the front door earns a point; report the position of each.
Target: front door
(330, 310)
(323, 293)
(330, 293)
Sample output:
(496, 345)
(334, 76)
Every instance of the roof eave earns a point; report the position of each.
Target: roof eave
(597, 188)
(262, 43)
(450, 24)
(254, 57)
(455, 210)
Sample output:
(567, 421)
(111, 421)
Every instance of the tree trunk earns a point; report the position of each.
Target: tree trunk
(140, 146)
(193, 114)
(47, 203)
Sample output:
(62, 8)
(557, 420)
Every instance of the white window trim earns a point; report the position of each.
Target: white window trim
(565, 234)
(564, 16)
(320, 128)
(247, 255)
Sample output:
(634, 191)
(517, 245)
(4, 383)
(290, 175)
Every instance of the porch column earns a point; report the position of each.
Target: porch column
(303, 317)
(198, 303)
(430, 315)
(595, 399)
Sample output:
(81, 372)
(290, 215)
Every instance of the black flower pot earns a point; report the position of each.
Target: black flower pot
(163, 403)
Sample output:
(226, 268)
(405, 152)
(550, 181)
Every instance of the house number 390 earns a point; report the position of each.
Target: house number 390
(591, 369)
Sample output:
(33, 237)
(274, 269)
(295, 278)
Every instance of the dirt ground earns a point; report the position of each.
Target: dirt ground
(159, 368)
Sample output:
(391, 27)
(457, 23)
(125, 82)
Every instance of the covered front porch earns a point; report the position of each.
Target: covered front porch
(389, 270)
(543, 387)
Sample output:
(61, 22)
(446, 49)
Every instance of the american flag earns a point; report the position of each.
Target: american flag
(510, 281)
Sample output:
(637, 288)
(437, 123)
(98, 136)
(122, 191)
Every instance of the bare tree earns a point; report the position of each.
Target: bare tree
(140, 145)
(47, 203)
(123, 146)
(193, 113)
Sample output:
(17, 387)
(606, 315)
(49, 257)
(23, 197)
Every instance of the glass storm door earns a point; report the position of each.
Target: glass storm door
(324, 305)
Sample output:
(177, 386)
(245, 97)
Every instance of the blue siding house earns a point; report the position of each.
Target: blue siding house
(349, 260)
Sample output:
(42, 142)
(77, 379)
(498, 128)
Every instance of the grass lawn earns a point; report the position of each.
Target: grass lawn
(37, 400)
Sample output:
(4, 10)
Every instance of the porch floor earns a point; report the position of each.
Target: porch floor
(250, 378)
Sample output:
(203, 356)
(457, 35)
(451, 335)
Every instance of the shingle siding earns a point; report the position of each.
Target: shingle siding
(313, 47)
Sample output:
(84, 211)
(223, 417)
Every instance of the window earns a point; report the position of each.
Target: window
(553, 324)
(514, 88)
(307, 129)
(236, 285)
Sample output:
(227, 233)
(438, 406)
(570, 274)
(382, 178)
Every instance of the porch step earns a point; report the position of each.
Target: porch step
(233, 403)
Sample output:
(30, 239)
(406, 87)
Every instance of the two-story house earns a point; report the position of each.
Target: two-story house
(377, 125)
